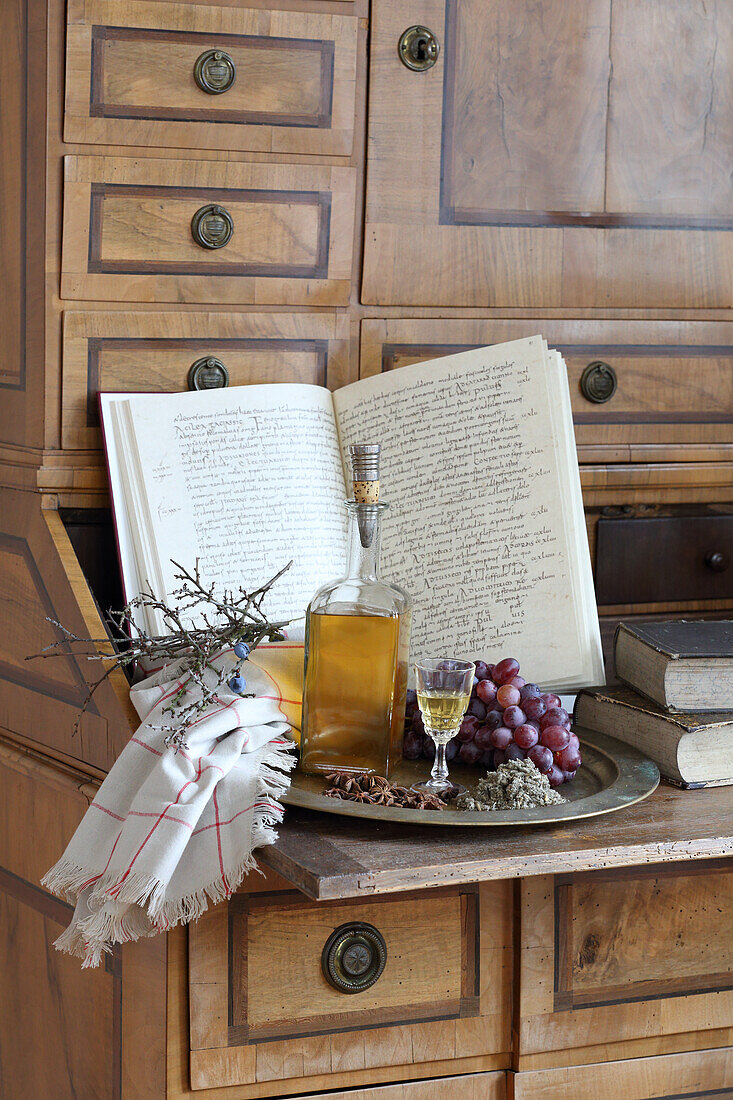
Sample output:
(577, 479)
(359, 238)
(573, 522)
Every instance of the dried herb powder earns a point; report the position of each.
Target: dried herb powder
(515, 785)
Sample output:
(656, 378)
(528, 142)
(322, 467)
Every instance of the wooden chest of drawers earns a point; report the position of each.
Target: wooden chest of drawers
(259, 191)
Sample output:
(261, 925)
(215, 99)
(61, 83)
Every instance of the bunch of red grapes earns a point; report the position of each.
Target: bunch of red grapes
(506, 719)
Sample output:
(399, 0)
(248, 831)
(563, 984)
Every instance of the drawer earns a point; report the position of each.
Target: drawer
(142, 73)
(664, 559)
(592, 974)
(160, 352)
(276, 233)
(673, 396)
(699, 1074)
(474, 1086)
(261, 1008)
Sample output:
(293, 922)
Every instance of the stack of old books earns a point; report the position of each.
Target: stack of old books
(678, 705)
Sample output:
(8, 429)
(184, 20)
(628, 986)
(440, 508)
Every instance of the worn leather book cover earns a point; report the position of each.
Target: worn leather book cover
(691, 750)
(679, 639)
(682, 665)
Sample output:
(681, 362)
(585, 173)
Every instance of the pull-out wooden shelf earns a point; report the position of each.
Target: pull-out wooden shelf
(329, 857)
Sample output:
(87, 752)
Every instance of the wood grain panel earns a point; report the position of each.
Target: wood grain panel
(63, 1038)
(670, 131)
(544, 146)
(40, 699)
(675, 378)
(129, 77)
(699, 1075)
(13, 120)
(127, 232)
(295, 997)
(691, 951)
(339, 859)
(479, 1086)
(64, 1031)
(22, 221)
(260, 1009)
(625, 954)
(153, 352)
(538, 193)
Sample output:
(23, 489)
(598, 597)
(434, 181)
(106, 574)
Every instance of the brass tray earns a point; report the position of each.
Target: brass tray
(613, 775)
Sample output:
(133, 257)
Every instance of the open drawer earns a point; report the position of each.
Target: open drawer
(262, 1008)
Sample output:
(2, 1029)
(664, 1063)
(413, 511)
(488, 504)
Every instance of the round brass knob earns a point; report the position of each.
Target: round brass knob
(418, 49)
(717, 561)
(212, 226)
(598, 382)
(354, 957)
(214, 72)
(208, 373)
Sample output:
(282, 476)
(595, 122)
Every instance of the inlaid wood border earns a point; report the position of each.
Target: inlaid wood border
(240, 1033)
(34, 679)
(100, 191)
(320, 276)
(27, 893)
(98, 108)
(16, 377)
(565, 998)
(451, 214)
(390, 352)
(96, 345)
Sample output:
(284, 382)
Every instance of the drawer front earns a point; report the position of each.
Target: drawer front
(143, 74)
(696, 1076)
(474, 1086)
(261, 1008)
(610, 956)
(665, 558)
(673, 396)
(140, 352)
(129, 232)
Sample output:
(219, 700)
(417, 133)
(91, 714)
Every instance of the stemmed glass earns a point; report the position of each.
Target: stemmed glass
(443, 693)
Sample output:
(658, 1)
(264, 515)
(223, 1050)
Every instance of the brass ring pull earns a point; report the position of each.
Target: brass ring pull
(354, 957)
(418, 49)
(212, 226)
(208, 373)
(214, 72)
(598, 382)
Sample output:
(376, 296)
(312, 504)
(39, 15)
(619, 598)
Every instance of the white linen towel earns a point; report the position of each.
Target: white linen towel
(169, 831)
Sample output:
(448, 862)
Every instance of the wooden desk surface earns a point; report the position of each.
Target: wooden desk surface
(330, 857)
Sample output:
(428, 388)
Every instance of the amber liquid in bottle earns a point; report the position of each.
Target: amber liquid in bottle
(356, 655)
(355, 690)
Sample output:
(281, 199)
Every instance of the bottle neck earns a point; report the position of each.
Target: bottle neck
(364, 540)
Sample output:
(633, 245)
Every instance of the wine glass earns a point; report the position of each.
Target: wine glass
(443, 692)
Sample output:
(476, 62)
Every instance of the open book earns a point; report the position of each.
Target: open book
(485, 530)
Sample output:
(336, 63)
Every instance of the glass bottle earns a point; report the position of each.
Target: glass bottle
(356, 648)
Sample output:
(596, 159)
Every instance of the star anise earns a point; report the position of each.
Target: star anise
(375, 790)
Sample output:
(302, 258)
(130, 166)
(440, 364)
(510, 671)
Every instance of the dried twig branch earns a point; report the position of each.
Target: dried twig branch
(227, 619)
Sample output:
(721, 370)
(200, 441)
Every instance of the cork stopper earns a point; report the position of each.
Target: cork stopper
(365, 472)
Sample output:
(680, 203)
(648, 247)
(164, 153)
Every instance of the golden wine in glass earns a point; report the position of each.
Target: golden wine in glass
(443, 694)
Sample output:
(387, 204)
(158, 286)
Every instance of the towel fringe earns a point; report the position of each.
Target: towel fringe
(129, 906)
